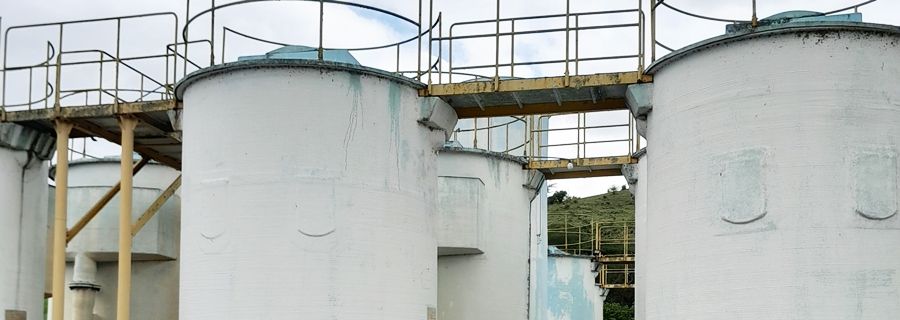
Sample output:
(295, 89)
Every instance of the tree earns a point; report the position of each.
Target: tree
(615, 311)
(557, 197)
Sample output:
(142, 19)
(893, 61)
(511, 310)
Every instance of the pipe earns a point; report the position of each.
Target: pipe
(123, 295)
(84, 287)
(63, 129)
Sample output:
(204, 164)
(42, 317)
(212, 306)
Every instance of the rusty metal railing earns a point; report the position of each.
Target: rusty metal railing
(619, 137)
(567, 58)
(122, 65)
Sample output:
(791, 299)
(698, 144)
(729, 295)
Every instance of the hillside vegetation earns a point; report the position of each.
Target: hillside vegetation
(611, 209)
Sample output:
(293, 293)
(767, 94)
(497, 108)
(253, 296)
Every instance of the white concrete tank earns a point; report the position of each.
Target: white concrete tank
(312, 188)
(92, 268)
(484, 213)
(773, 176)
(23, 220)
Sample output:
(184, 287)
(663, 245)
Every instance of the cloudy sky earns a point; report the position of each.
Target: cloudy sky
(296, 22)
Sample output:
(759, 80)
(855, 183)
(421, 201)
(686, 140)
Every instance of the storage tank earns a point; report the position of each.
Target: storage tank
(92, 267)
(484, 213)
(311, 186)
(636, 176)
(23, 220)
(773, 175)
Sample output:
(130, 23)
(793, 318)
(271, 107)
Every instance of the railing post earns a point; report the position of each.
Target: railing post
(576, 43)
(419, 42)
(567, 44)
(63, 129)
(212, 34)
(653, 31)
(640, 16)
(497, 51)
(440, 61)
(57, 106)
(321, 51)
(118, 61)
(430, 32)
(512, 48)
(187, 17)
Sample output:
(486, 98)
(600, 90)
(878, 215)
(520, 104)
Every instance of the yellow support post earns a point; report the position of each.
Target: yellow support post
(63, 129)
(123, 296)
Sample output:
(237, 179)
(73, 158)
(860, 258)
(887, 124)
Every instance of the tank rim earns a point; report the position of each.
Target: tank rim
(768, 31)
(219, 69)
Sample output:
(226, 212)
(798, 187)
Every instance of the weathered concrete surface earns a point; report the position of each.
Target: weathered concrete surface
(311, 194)
(772, 179)
(572, 292)
(493, 284)
(23, 232)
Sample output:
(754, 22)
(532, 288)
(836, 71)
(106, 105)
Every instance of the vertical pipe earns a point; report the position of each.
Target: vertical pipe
(419, 42)
(398, 58)
(576, 44)
(567, 44)
(224, 33)
(430, 33)
(512, 48)
(321, 51)
(640, 15)
(3, 90)
(440, 61)
(450, 48)
(100, 81)
(566, 231)
(118, 61)
(187, 17)
(497, 51)
(489, 129)
(753, 22)
(56, 103)
(46, 76)
(212, 34)
(30, 82)
(123, 294)
(653, 31)
(63, 129)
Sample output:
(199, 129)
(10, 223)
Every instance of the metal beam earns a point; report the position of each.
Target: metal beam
(93, 111)
(540, 108)
(95, 209)
(154, 207)
(513, 85)
(99, 131)
(582, 174)
(583, 162)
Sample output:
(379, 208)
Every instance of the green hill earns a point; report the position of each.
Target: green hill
(569, 220)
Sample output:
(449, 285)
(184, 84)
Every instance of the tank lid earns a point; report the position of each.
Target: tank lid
(305, 53)
(795, 16)
(792, 26)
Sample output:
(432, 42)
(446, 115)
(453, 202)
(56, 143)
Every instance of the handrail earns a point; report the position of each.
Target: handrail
(657, 3)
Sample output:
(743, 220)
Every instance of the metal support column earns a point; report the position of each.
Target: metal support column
(63, 129)
(123, 297)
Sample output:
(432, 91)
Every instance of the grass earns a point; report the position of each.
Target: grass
(612, 209)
